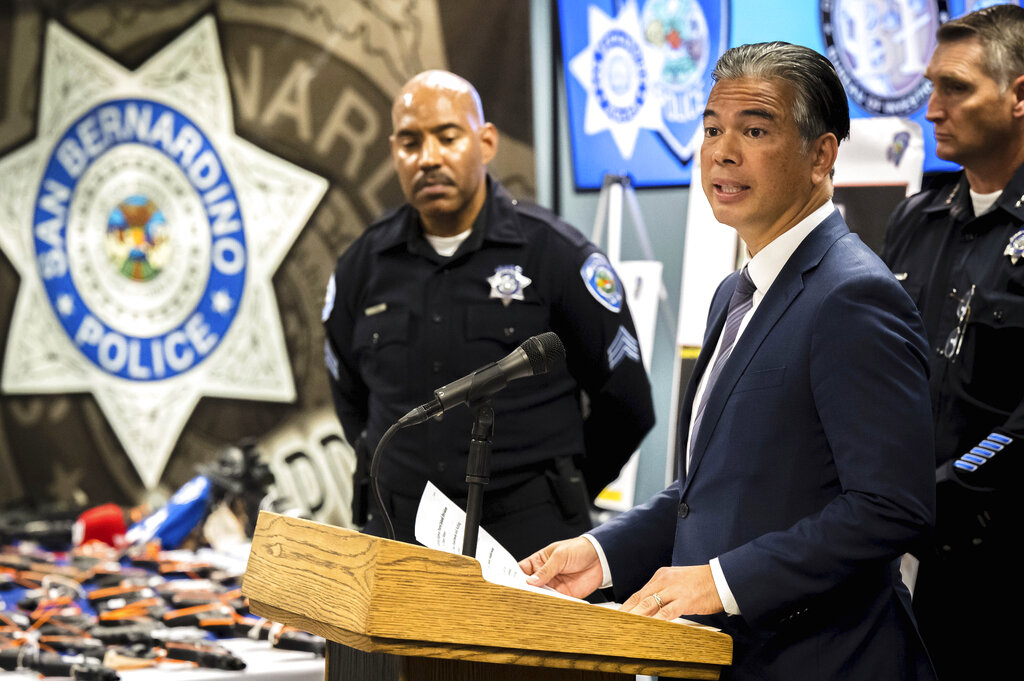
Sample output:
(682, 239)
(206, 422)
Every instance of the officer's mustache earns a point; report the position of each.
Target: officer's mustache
(434, 177)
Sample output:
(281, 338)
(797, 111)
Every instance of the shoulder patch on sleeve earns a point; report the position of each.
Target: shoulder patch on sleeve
(602, 282)
(328, 300)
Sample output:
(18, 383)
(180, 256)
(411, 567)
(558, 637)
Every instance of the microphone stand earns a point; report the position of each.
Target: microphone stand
(478, 473)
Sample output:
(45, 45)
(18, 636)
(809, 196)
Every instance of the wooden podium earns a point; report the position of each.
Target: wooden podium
(446, 622)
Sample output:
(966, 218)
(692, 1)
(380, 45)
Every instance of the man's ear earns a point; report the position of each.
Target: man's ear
(825, 152)
(1017, 88)
(488, 141)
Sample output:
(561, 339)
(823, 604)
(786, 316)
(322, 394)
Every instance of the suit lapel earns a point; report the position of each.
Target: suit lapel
(784, 290)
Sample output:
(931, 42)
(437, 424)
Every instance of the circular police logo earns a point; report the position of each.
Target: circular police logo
(880, 49)
(689, 36)
(680, 30)
(139, 240)
(619, 76)
(507, 284)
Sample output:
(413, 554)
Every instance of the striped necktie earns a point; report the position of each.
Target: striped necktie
(740, 303)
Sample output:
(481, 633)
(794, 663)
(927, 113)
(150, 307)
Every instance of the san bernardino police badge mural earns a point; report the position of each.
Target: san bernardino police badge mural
(146, 234)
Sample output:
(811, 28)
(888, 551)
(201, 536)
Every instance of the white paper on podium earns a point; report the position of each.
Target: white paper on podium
(440, 524)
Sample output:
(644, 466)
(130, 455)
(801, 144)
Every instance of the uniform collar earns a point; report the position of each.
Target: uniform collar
(956, 198)
(953, 198)
(497, 222)
(1012, 198)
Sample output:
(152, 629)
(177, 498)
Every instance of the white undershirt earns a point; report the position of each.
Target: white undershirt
(447, 245)
(983, 202)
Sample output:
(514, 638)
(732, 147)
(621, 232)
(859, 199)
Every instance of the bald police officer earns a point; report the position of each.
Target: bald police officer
(457, 278)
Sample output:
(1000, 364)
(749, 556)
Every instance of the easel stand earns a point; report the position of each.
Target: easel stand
(436, 612)
(617, 190)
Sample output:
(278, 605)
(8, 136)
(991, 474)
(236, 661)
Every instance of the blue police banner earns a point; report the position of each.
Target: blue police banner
(880, 49)
(637, 74)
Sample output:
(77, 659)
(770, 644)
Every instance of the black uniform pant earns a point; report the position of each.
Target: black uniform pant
(968, 589)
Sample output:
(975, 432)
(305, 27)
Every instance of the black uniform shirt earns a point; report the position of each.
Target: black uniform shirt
(405, 320)
(971, 295)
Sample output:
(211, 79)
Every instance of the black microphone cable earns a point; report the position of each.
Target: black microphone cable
(374, 468)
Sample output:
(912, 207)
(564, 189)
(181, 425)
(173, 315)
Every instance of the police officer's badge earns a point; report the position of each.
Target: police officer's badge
(602, 281)
(508, 283)
(1015, 249)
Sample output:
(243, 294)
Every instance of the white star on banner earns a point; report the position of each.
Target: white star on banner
(618, 70)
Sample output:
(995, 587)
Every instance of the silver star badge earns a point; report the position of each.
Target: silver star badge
(1015, 249)
(508, 283)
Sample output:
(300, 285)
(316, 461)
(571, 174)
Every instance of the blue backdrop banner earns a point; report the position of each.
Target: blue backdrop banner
(637, 72)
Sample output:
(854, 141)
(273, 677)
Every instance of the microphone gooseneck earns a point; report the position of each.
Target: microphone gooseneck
(537, 355)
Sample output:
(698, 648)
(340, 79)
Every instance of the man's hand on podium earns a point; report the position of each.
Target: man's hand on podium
(571, 567)
(677, 591)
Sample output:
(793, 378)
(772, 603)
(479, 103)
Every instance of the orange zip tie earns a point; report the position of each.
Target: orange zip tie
(192, 610)
(115, 591)
(53, 604)
(136, 609)
(9, 621)
(73, 629)
(41, 621)
(230, 595)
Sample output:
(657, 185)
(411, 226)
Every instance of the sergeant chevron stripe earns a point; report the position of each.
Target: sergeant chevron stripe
(623, 345)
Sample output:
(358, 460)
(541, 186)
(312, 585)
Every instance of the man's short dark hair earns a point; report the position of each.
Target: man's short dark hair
(1000, 30)
(819, 100)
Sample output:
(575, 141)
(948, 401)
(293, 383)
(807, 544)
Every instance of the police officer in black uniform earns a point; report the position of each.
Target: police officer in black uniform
(958, 248)
(457, 278)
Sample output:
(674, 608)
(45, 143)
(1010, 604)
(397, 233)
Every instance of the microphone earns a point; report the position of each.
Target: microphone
(535, 356)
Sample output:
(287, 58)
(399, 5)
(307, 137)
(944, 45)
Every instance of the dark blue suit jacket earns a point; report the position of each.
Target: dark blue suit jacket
(811, 474)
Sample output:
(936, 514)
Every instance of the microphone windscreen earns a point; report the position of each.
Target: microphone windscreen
(543, 351)
(102, 523)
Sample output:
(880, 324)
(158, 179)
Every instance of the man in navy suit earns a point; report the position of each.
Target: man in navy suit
(806, 438)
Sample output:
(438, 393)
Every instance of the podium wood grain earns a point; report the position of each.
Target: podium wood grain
(378, 595)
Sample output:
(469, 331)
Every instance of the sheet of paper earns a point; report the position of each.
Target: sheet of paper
(440, 525)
